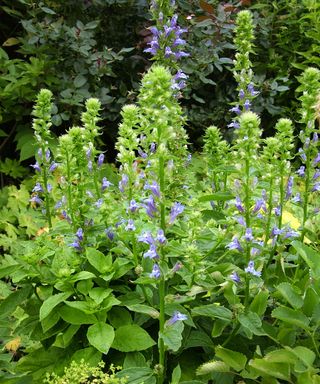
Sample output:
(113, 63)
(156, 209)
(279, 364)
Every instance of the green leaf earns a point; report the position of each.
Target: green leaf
(291, 316)
(290, 294)
(79, 81)
(311, 300)
(119, 317)
(130, 338)
(99, 261)
(235, 360)
(218, 196)
(64, 338)
(172, 336)
(101, 336)
(310, 256)
(49, 321)
(48, 10)
(75, 316)
(90, 355)
(11, 302)
(98, 294)
(134, 359)
(138, 375)
(213, 310)
(266, 369)
(260, 302)
(252, 323)
(142, 308)
(176, 375)
(212, 366)
(49, 304)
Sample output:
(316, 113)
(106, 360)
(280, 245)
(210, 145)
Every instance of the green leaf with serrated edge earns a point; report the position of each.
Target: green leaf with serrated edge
(266, 368)
(98, 260)
(251, 322)
(310, 256)
(101, 336)
(176, 375)
(130, 338)
(218, 196)
(304, 354)
(235, 360)
(290, 294)
(49, 304)
(138, 375)
(218, 328)
(259, 303)
(291, 316)
(281, 356)
(212, 366)
(214, 311)
(172, 335)
(75, 316)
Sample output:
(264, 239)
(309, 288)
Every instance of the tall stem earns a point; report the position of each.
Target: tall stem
(45, 184)
(306, 195)
(69, 191)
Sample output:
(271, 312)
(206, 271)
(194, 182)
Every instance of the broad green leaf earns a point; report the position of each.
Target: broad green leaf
(259, 303)
(11, 302)
(213, 310)
(218, 196)
(138, 375)
(75, 316)
(49, 304)
(81, 306)
(49, 321)
(212, 366)
(79, 81)
(101, 336)
(119, 316)
(176, 375)
(142, 308)
(10, 41)
(64, 338)
(130, 338)
(291, 316)
(98, 294)
(90, 355)
(266, 369)
(198, 339)
(310, 256)
(252, 323)
(172, 336)
(281, 356)
(304, 354)
(99, 261)
(311, 300)
(134, 359)
(290, 294)
(235, 360)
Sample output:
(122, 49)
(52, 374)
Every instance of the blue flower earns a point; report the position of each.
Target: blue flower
(151, 253)
(147, 238)
(105, 184)
(289, 188)
(247, 105)
(130, 225)
(301, 171)
(133, 206)
(296, 198)
(36, 199)
(176, 210)
(109, 233)
(250, 269)
(251, 90)
(37, 188)
(236, 110)
(235, 277)
(76, 245)
(248, 235)
(316, 160)
(36, 166)
(316, 187)
(177, 316)
(100, 159)
(234, 244)
(123, 182)
(150, 206)
(154, 188)
(238, 204)
(161, 237)
(53, 166)
(90, 166)
(98, 203)
(156, 273)
(79, 234)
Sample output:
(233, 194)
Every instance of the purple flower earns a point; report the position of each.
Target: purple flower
(152, 147)
(79, 234)
(89, 194)
(236, 110)
(53, 166)
(48, 155)
(250, 269)
(90, 166)
(133, 206)
(251, 90)
(36, 199)
(180, 54)
(40, 153)
(276, 231)
(316, 174)
(150, 206)
(109, 233)
(76, 245)
(36, 166)
(296, 198)
(178, 265)
(176, 210)
(277, 211)
(316, 187)
(142, 154)
(66, 216)
(167, 52)
(49, 187)
(100, 159)
(105, 184)
(238, 204)
(241, 94)
(315, 137)
(60, 203)
(248, 235)
(316, 160)
(37, 188)
(180, 75)
(260, 204)
(123, 182)
(235, 277)
(156, 273)
(240, 220)
(177, 316)
(161, 237)
(234, 244)
(98, 203)
(290, 233)
(234, 124)
(151, 253)
(154, 188)
(302, 155)
(130, 226)
(147, 238)
(247, 105)
(88, 153)
(301, 171)
(289, 188)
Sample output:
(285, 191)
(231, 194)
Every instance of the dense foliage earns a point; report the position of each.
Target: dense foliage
(174, 268)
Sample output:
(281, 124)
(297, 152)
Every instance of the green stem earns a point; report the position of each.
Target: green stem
(69, 191)
(45, 185)
(306, 195)
(267, 232)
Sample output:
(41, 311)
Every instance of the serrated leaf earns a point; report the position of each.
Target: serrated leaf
(266, 369)
(291, 316)
(290, 294)
(101, 336)
(235, 360)
(172, 336)
(212, 366)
